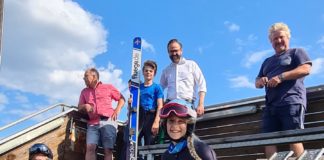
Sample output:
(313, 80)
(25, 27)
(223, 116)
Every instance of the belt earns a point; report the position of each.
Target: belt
(188, 100)
(103, 118)
(150, 111)
(147, 111)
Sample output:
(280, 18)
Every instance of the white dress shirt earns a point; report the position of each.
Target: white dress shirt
(182, 80)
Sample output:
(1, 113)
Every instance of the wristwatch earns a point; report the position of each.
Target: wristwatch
(281, 77)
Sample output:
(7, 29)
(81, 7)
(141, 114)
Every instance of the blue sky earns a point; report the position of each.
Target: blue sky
(47, 45)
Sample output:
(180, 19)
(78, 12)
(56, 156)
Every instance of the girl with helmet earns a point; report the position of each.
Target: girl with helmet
(179, 121)
(40, 151)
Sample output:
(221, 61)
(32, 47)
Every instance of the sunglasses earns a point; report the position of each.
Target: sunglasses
(178, 109)
(40, 148)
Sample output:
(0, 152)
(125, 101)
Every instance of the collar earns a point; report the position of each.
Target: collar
(176, 148)
(182, 61)
(280, 54)
(98, 83)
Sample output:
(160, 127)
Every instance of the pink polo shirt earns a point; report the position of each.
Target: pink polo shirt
(101, 99)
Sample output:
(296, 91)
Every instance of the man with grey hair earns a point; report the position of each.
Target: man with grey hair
(283, 75)
(96, 100)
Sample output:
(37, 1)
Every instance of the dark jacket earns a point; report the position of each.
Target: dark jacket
(202, 149)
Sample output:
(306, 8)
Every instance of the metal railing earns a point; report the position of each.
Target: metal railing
(64, 110)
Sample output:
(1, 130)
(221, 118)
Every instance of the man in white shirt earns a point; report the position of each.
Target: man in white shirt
(183, 78)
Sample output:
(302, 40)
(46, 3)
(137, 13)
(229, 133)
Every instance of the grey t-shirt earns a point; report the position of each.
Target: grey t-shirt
(289, 91)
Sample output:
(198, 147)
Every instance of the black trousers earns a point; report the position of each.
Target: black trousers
(146, 120)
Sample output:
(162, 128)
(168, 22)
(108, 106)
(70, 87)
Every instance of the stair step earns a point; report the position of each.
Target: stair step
(281, 155)
(312, 154)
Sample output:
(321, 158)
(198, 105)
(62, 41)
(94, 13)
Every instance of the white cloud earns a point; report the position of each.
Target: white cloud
(317, 66)
(321, 41)
(248, 41)
(255, 57)
(201, 49)
(252, 38)
(46, 47)
(232, 27)
(3, 101)
(241, 82)
(21, 98)
(242, 43)
(147, 46)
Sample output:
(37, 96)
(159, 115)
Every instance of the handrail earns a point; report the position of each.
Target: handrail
(38, 125)
(33, 115)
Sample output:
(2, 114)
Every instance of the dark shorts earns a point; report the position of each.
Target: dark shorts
(283, 118)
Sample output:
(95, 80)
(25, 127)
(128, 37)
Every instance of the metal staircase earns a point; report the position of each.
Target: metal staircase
(312, 154)
(281, 155)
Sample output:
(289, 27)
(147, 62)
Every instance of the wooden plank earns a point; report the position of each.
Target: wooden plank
(279, 134)
(231, 112)
(228, 121)
(263, 142)
(229, 132)
(240, 153)
(314, 118)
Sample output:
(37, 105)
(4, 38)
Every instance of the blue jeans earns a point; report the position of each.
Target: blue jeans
(105, 131)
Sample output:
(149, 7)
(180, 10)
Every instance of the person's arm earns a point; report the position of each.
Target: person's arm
(260, 82)
(201, 108)
(200, 80)
(129, 102)
(163, 81)
(299, 72)
(261, 79)
(120, 104)
(156, 123)
(83, 106)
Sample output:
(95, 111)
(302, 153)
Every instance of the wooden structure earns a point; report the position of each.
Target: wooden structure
(64, 133)
(232, 129)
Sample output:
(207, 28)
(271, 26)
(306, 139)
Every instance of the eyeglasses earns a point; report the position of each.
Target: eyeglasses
(40, 148)
(178, 109)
